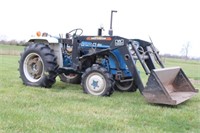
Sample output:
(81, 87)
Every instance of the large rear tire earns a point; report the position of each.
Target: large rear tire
(97, 81)
(37, 66)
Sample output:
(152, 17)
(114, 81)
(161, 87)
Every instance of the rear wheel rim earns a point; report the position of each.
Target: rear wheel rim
(33, 67)
(96, 83)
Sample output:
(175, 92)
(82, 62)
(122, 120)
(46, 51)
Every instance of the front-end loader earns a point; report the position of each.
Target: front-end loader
(102, 64)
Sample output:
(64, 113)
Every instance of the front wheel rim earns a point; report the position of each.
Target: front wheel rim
(33, 67)
(96, 83)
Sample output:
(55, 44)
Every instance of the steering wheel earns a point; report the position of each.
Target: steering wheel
(73, 33)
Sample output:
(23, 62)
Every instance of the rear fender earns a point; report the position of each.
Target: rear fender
(47, 39)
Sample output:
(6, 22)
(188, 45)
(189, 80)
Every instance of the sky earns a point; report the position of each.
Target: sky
(170, 23)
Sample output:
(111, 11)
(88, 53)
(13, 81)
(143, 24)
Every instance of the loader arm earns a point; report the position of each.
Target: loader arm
(130, 62)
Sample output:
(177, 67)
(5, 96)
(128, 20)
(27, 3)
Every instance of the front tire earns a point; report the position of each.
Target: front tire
(97, 81)
(37, 66)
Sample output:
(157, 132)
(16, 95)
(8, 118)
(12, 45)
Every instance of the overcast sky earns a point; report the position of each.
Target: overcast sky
(170, 23)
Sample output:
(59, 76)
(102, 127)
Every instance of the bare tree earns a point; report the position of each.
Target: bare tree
(185, 50)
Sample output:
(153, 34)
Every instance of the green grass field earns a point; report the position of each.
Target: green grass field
(64, 108)
(10, 49)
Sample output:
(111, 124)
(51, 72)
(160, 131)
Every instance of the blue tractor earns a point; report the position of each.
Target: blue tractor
(102, 64)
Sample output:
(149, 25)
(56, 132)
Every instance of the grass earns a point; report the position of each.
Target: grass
(10, 49)
(191, 68)
(64, 108)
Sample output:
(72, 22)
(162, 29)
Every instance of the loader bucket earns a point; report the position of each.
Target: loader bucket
(168, 86)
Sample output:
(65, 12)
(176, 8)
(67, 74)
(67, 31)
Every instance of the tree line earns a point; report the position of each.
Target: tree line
(179, 57)
(13, 42)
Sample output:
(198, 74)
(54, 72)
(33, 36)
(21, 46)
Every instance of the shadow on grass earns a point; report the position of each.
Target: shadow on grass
(181, 105)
